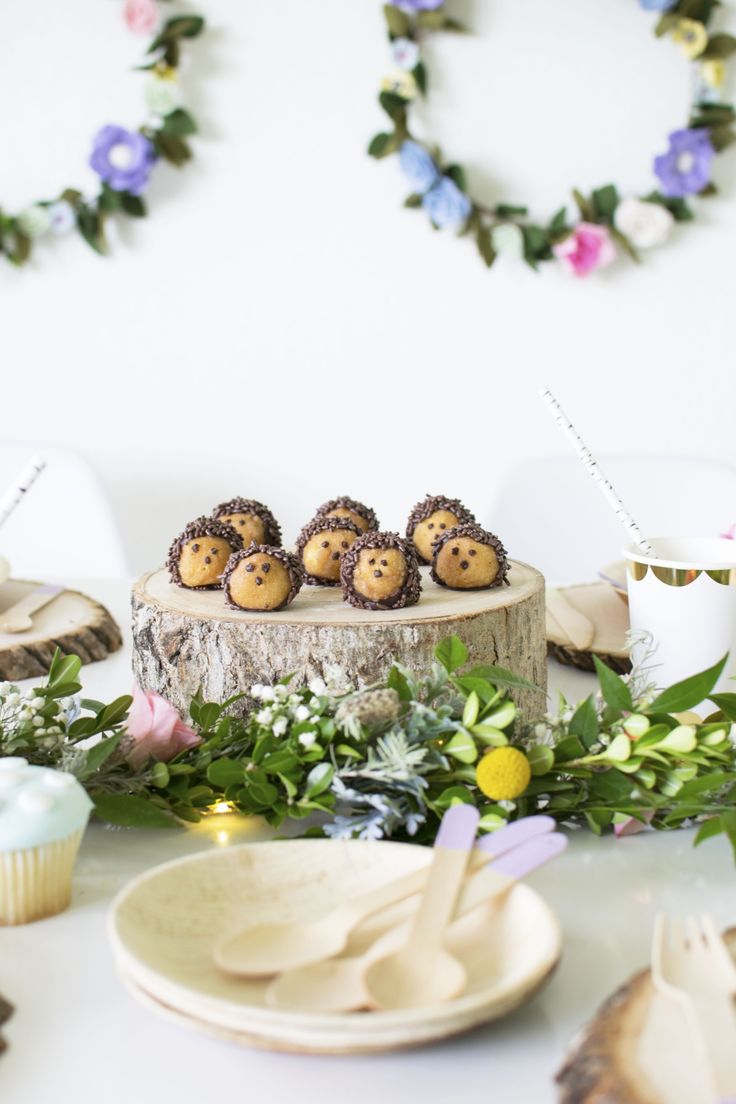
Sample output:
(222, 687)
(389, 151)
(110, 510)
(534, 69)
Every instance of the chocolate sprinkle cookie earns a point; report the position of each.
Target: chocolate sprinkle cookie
(326, 553)
(352, 509)
(271, 528)
(381, 572)
(469, 558)
(201, 553)
(430, 518)
(260, 563)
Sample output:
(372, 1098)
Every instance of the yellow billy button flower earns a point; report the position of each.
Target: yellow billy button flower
(401, 83)
(691, 36)
(503, 773)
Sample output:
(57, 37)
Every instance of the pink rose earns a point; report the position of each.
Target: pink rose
(631, 826)
(155, 730)
(141, 16)
(588, 247)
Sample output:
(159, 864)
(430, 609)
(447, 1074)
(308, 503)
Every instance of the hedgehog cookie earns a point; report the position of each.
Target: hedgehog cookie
(198, 557)
(469, 558)
(431, 518)
(321, 546)
(262, 577)
(252, 520)
(345, 507)
(381, 572)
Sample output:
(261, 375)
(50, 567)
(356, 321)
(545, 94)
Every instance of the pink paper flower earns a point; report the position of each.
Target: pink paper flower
(155, 730)
(588, 247)
(141, 16)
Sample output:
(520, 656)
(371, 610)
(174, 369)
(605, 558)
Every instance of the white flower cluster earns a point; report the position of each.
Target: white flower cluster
(282, 707)
(27, 714)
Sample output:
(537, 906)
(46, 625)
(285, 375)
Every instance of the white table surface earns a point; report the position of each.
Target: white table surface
(78, 1036)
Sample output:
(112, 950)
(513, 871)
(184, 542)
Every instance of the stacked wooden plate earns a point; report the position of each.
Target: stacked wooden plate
(164, 925)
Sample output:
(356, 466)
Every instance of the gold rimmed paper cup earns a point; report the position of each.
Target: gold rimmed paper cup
(685, 596)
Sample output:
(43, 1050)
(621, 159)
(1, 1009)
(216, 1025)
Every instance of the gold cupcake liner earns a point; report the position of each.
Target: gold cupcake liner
(37, 881)
(681, 576)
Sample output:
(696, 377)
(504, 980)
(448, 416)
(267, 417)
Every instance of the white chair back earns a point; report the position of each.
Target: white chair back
(550, 513)
(64, 526)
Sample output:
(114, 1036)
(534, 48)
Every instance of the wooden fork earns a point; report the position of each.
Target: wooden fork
(692, 965)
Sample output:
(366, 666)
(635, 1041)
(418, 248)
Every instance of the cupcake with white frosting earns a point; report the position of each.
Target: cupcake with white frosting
(43, 814)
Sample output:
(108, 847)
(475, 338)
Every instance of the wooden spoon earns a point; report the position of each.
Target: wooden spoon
(267, 949)
(18, 619)
(422, 972)
(338, 984)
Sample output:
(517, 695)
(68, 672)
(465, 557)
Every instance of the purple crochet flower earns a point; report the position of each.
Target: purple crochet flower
(123, 159)
(685, 169)
(418, 5)
(447, 206)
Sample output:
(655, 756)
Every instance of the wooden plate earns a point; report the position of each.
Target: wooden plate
(603, 606)
(163, 926)
(635, 1050)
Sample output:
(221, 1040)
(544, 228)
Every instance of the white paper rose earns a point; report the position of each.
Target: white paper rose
(644, 224)
(34, 221)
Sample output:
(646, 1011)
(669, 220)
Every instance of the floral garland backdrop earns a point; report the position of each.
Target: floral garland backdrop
(122, 159)
(607, 223)
(388, 760)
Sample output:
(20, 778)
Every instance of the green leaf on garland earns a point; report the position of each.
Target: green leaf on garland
(615, 691)
(541, 759)
(719, 46)
(109, 200)
(225, 772)
(726, 703)
(420, 76)
(397, 21)
(414, 200)
(623, 242)
(721, 137)
(454, 25)
(172, 149)
(182, 26)
(456, 173)
(536, 245)
(393, 105)
(132, 205)
(97, 755)
(397, 681)
(509, 211)
(484, 242)
(689, 692)
(708, 190)
(381, 145)
(131, 811)
(558, 222)
(432, 20)
(91, 225)
(665, 24)
(606, 200)
(499, 676)
(179, 123)
(585, 206)
(677, 207)
(318, 780)
(708, 829)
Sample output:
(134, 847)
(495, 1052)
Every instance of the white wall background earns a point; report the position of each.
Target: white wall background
(282, 329)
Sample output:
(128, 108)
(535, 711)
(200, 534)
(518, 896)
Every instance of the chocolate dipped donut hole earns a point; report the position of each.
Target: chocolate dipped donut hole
(380, 572)
(251, 519)
(262, 578)
(432, 517)
(321, 545)
(469, 558)
(198, 557)
(344, 507)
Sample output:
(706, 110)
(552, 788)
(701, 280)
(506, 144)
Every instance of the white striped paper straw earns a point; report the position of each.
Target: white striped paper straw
(591, 466)
(17, 490)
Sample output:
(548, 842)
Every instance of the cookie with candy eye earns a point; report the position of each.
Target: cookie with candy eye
(431, 518)
(380, 572)
(321, 545)
(198, 557)
(469, 558)
(344, 507)
(253, 521)
(262, 577)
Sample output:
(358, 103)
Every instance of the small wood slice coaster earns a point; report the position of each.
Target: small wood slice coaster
(635, 1050)
(609, 613)
(71, 621)
(6, 1011)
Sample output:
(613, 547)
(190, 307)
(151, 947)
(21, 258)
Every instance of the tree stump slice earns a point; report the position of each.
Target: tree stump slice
(71, 621)
(189, 640)
(635, 1051)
